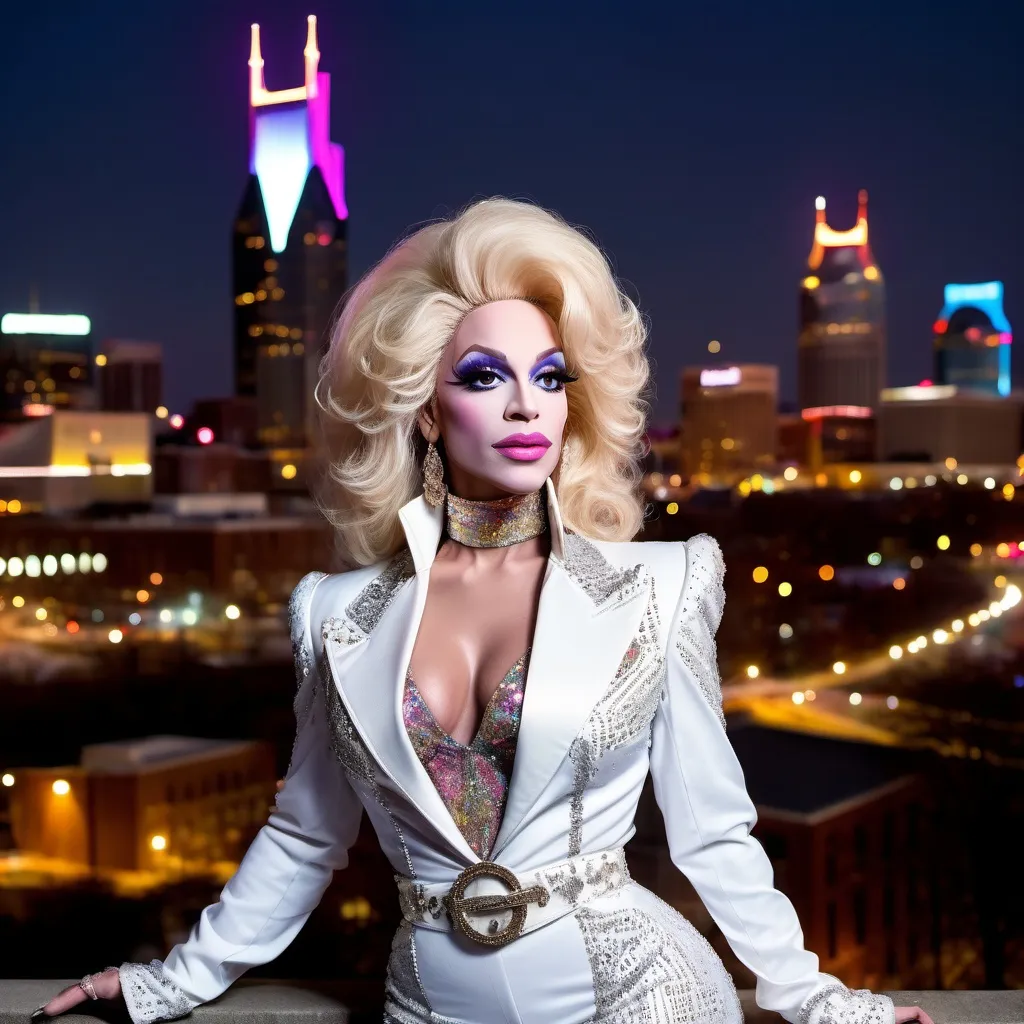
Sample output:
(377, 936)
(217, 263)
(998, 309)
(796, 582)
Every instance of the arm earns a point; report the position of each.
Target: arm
(708, 815)
(284, 872)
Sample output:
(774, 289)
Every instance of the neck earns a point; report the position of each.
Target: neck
(496, 524)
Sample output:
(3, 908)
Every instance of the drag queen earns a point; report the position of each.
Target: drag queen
(496, 676)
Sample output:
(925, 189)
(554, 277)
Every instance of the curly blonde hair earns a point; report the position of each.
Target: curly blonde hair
(381, 366)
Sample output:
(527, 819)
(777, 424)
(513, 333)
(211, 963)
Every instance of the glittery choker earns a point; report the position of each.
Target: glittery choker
(498, 523)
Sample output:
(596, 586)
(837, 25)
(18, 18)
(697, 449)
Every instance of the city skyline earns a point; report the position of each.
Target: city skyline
(692, 151)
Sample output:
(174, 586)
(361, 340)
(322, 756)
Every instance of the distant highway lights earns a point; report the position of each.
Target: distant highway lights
(115, 636)
(957, 625)
(798, 697)
(940, 636)
(855, 698)
(895, 652)
(839, 668)
(1012, 596)
(232, 611)
(7, 779)
(753, 671)
(61, 787)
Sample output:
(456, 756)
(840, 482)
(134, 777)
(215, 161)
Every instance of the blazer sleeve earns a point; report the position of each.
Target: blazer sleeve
(284, 872)
(708, 815)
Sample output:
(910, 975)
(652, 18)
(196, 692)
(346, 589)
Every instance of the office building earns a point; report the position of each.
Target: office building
(130, 376)
(841, 355)
(289, 247)
(972, 339)
(729, 419)
(938, 422)
(45, 364)
(163, 803)
(71, 459)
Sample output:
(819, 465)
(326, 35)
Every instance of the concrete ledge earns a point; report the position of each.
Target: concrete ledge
(294, 1002)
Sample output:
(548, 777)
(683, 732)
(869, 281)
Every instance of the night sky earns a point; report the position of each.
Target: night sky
(691, 138)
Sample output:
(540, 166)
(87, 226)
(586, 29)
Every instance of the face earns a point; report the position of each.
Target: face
(501, 406)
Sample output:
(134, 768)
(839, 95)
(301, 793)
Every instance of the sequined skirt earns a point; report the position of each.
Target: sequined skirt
(625, 958)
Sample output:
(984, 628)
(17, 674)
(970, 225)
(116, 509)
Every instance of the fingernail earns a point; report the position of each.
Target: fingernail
(38, 1013)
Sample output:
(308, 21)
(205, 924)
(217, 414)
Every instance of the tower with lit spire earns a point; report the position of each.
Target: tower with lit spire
(289, 247)
(842, 351)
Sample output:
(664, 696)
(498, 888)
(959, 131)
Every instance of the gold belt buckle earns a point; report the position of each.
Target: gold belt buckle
(516, 900)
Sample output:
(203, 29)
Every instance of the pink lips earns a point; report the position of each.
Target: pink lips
(523, 447)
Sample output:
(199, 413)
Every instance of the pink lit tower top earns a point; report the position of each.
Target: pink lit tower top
(289, 245)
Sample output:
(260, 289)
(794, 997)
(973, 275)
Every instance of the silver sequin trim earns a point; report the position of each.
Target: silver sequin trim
(372, 601)
(653, 967)
(702, 606)
(834, 1003)
(351, 752)
(150, 995)
(404, 999)
(601, 580)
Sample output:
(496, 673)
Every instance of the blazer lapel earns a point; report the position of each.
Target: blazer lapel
(368, 649)
(588, 614)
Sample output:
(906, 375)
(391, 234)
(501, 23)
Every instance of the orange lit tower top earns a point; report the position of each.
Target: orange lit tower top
(842, 346)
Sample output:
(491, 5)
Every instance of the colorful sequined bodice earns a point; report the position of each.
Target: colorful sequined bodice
(472, 780)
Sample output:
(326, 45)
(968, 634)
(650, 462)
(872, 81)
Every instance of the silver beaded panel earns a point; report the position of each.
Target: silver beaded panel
(652, 966)
(834, 1003)
(622, 715)
(404, 999)
(150, 995)
(701, 607)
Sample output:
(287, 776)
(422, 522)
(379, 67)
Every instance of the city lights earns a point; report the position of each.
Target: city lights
(785, 589)
(115, 636)
(158, 842)
(798, 697)
(61, 787)
(7, 779)
(875, 558)
(753, 671)
(785, 631)
(942, 543)
(855, 698)
(232, 611)
(827, 573)
(760, 574)
(68, 325)
(895, 652)
(839, 668)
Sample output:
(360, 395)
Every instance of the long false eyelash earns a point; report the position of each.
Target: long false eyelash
(563, 376)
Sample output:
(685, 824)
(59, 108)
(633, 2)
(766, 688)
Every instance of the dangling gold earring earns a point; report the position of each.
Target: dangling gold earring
(434, 489)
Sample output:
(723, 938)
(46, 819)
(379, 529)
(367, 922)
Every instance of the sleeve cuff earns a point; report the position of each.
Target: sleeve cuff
(834, 1003)
(150, 995)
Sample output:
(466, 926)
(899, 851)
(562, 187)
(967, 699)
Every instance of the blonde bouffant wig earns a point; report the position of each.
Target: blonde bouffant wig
(381, 365)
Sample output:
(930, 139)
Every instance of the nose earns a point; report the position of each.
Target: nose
(522, 405)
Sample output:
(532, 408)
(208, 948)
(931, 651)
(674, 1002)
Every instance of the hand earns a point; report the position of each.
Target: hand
(106, 985)
(903, 1013)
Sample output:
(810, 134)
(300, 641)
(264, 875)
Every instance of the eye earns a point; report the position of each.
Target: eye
(478, 378)
(554, 379)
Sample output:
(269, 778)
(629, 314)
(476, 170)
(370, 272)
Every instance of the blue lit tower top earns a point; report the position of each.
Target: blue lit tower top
(972, 338)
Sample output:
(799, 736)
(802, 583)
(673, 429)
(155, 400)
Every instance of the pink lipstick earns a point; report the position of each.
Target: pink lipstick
(523, 447)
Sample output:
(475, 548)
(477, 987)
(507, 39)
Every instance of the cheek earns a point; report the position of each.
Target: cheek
(466, 417)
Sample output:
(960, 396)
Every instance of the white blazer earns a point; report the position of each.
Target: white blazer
(622, 680)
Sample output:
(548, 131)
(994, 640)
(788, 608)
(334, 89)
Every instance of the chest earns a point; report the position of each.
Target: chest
(472, 633)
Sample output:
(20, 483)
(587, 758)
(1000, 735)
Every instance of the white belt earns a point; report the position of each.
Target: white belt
(505, 905)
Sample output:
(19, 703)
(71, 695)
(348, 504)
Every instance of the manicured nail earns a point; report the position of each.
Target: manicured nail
(38, 1013)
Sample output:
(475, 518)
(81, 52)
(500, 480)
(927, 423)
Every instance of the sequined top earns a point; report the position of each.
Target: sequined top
(472, 780)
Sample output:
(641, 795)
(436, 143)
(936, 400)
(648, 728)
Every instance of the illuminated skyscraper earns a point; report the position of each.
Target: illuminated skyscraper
(842, 317)
(45, 363)
(972, 339)
(290, 255)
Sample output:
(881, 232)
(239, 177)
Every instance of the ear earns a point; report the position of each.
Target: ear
(427, 419)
